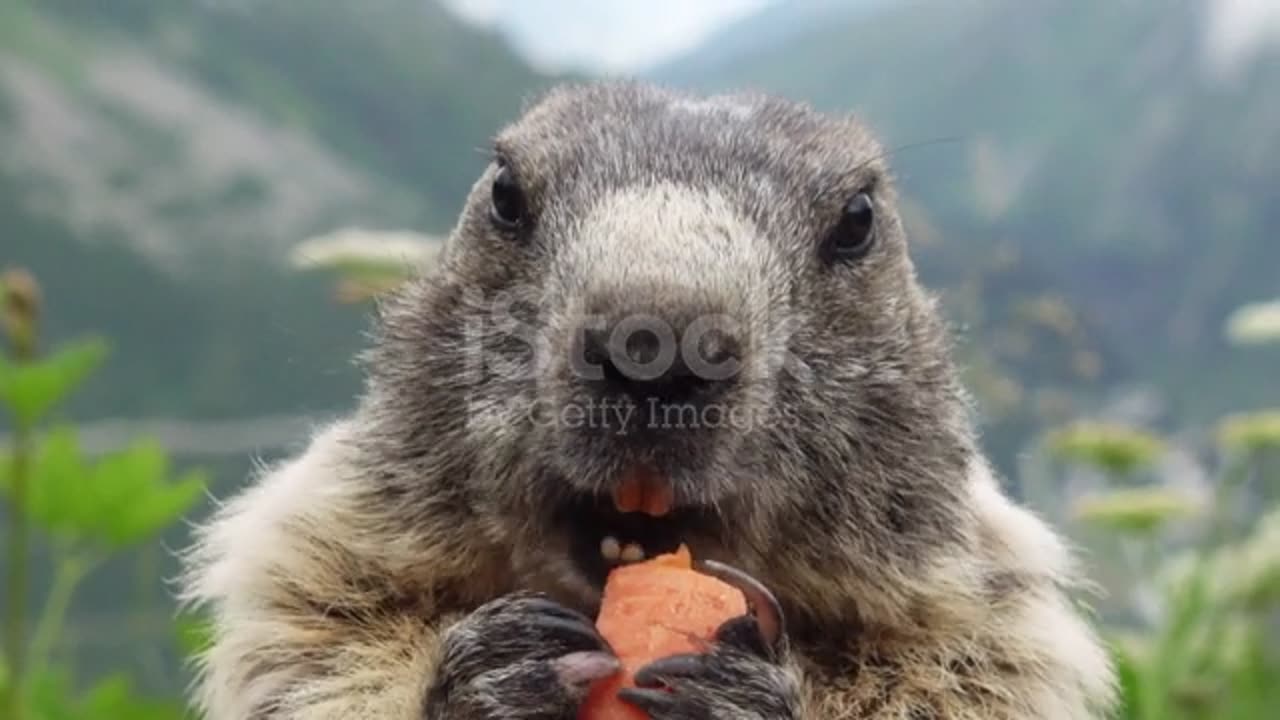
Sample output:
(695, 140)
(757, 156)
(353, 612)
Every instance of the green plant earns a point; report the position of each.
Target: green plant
(83, 510)
(1205, 578)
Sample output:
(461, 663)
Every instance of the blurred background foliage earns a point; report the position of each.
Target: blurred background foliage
(218, 188)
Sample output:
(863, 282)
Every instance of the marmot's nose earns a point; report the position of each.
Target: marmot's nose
(657, 366)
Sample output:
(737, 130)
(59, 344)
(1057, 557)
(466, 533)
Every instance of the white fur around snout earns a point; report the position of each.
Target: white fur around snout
(669, 243)
(678, 258)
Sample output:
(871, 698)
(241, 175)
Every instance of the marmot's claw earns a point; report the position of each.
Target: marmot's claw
(668, 667)
(657, 703)
(518, 657)
(570, 634)
(769, 625)
(726, 683)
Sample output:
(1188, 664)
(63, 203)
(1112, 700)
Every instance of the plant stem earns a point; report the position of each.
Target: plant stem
(15, 620)
(1221, 528)
(71, 570)
(20, 313)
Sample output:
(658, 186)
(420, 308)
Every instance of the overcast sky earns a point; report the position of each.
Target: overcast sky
(605, 35)
(619, 36)
(1239, 27)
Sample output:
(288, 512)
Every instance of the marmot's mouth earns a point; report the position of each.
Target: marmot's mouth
(637, 520)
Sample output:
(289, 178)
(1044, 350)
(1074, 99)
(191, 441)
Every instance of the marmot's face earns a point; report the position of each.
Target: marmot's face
(663, 319)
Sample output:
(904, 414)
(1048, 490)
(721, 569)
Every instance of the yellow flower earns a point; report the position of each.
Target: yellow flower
(1136, 510)
(1250, 432)
(1111, 447)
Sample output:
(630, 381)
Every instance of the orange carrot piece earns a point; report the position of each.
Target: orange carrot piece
(651, 610)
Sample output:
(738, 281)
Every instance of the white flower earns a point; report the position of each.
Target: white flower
(358, 248)
(1255, 324)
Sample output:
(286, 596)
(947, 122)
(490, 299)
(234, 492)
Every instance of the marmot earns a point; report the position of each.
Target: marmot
(661, 318)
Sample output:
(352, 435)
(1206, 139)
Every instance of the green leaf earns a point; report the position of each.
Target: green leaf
(114, 698)
(1129, 677)
(110, 692)
(56, 498)
(155, 509)
(194, 633)
(6, 472)
(135, 499)
(124, 498)
(30, 391)
(50, 698)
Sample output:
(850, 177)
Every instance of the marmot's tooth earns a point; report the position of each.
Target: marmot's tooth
(610, 548)
(632, 553)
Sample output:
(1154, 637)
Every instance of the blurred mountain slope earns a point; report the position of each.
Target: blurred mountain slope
(157, 159)
(1099, 143)
(249, 123)
(766, 30)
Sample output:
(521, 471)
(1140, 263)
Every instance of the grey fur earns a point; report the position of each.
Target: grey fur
(854, 489)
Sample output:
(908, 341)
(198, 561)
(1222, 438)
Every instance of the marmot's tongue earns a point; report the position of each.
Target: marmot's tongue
(643, 490)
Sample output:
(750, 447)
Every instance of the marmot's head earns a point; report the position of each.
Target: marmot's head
(664, 318)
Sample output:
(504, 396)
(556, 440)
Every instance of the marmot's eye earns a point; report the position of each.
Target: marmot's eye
(508, 208)
(854, 235)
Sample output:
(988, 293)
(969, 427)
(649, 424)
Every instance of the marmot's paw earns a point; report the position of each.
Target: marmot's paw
(520, 657)
(745, 676)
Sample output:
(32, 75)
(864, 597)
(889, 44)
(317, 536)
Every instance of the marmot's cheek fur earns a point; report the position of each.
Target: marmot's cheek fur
(850, 484)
